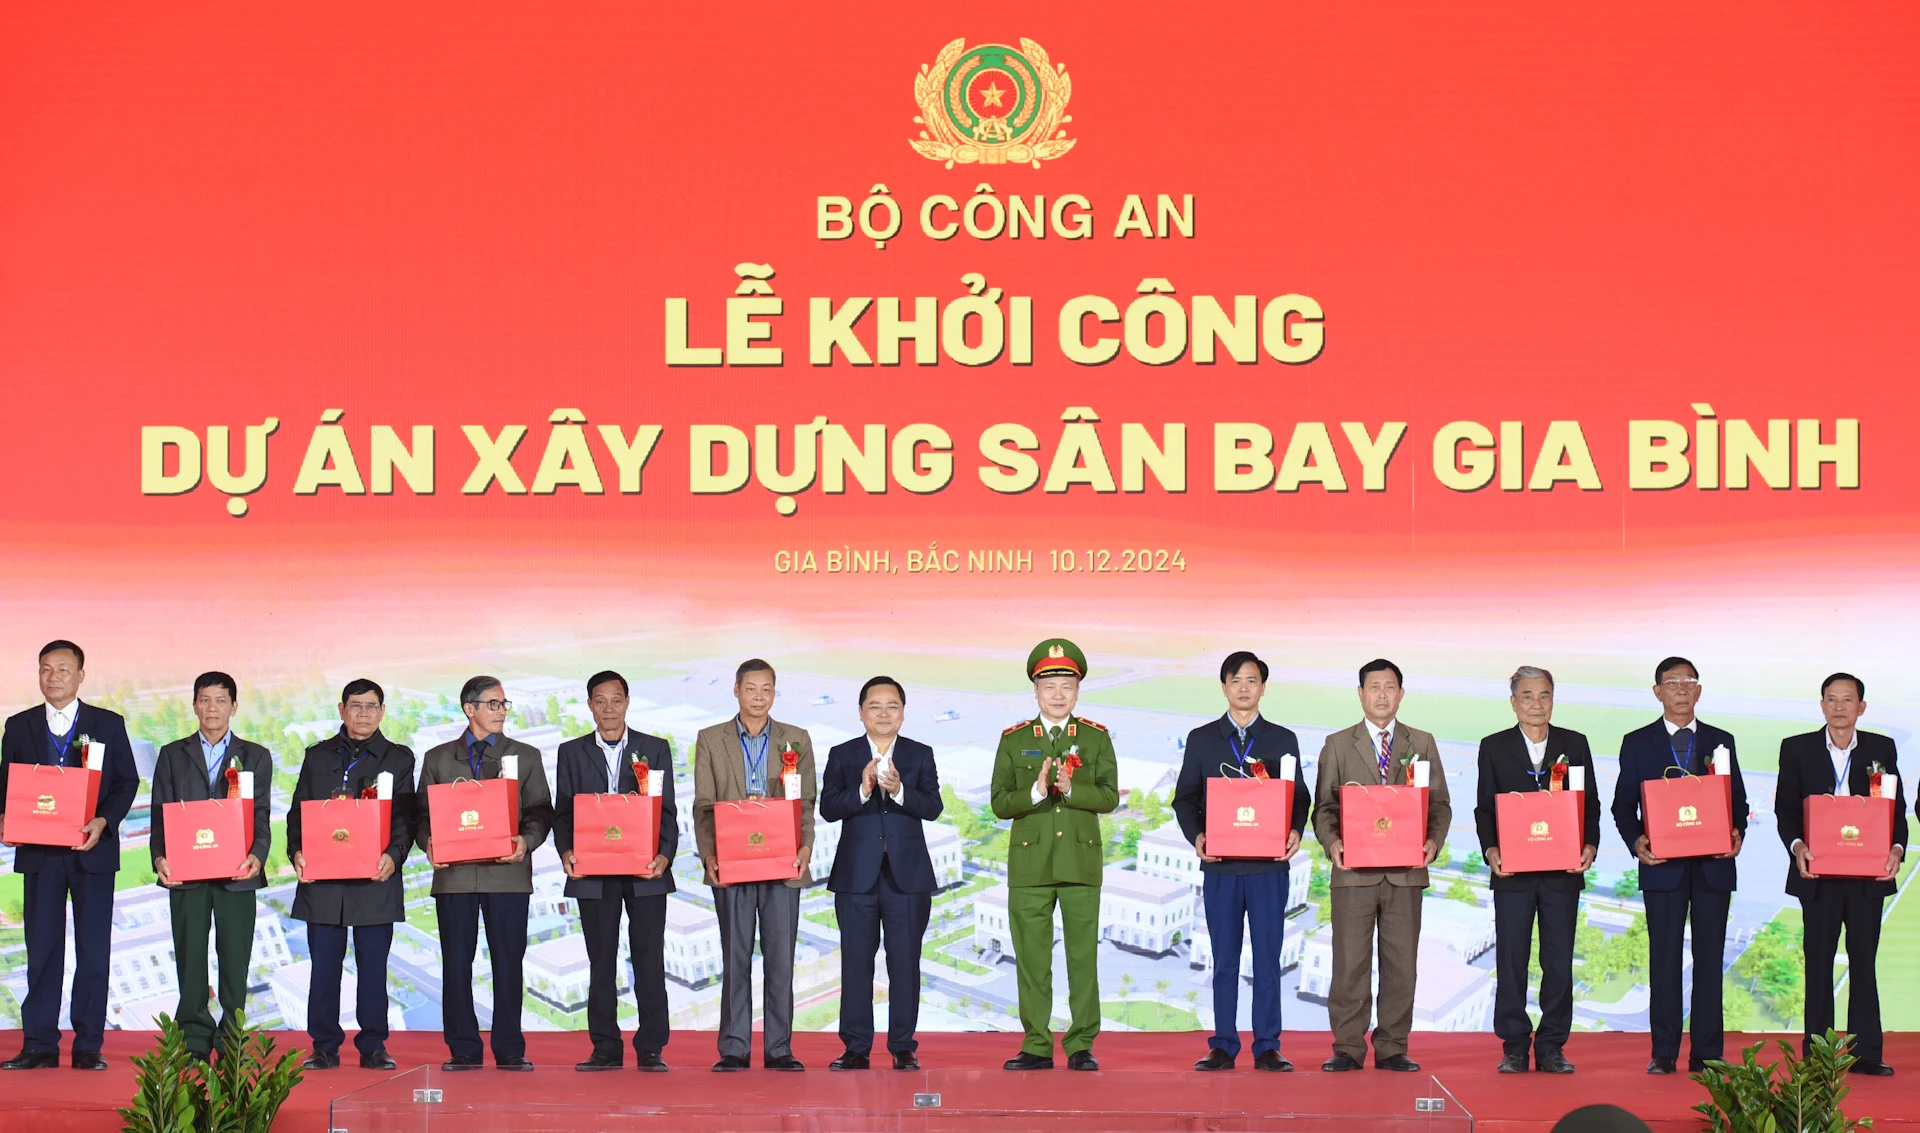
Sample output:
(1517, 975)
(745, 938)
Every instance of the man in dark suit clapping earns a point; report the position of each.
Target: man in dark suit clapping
(1842, 760)
(883, 786)
(1682, 890)
(607, 762)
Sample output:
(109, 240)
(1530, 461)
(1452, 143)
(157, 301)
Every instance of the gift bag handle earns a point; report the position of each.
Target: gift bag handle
(1668, 771)
(1237, 771)
(1370, 786)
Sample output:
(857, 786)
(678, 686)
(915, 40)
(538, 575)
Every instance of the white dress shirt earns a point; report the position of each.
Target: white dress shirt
(613, 754)
(1842, 759)
(886, 755)
(60, 720)
(1535, 751)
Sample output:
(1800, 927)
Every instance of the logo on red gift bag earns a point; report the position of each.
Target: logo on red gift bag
(1539, 829)
(1244, 816)
(613, 834)
(45, 804)
(756, 839)
(202, 837)
(1689, 816)
(469, 820)
(1383, 824)
(1849, 833)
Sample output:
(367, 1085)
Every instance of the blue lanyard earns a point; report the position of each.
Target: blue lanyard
(756, 766)
(1240, 753)
(346, 774)
(1688, 765)
(61, 743)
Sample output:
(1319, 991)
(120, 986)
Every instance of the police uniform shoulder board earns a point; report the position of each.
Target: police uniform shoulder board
(1016, 727)
(1088, 723)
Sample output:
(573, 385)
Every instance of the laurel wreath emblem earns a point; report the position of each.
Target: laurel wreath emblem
(940, 141)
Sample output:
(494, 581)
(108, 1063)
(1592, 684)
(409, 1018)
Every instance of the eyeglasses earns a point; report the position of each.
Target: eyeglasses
(364, 709)
(492, 705)
(1677, 686)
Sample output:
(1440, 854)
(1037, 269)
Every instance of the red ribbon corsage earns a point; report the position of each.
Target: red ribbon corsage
(789, 760)
(1259, 769)
(233, 782)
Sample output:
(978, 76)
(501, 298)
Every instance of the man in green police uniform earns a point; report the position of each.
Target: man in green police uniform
(1054, 775)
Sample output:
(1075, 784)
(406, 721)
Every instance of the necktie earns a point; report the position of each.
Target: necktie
(1386, 754)
(474, 751)
(1054, 733)
(1683, 748)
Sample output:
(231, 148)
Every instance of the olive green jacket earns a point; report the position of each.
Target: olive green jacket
(1057, 841)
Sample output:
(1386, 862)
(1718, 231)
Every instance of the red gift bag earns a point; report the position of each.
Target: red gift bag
(472, 820)
(342, 839)
(1540, 830)
(1848, 835)
(208, 840)
(756, 839)
(1383, 826)
(1248, 818)
(615, 835)
(47, 806)
(1688, 816)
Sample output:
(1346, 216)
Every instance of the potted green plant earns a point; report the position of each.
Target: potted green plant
(1794, 1095)
(239, 1092)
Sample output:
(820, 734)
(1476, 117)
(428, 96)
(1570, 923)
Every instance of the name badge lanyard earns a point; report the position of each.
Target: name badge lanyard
(346, 773)
(1687, 766)
(62, 743)
(1239, 753)
(756, 765)
(613, 755)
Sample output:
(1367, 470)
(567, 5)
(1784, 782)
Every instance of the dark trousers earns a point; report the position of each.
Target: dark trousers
(44, 905)
(1259, 901)
(864, 919)
(459, 916)
(1515, 911)
(328, 943)
(230, 917)
(1844, 904)
(646, 939)
(1668, 912)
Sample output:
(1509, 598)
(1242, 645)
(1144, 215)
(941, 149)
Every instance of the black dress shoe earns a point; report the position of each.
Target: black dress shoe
(1398, 1062)
(205, 1057)
(598, 1062)
(1271, 1060)
(1216, 1059)
(650, 1061)
(1082, 1060)
(849, 1060)
(1659, 1065)
(1873, 1069)
(1551, 1062)
(905, 1060)
(1696, 1065)
(324, 1062)
(33, 1060)
(375, 1060)
(88, 1060)
(452, 1064)
(786, 1062)
(1513, 1064)
(731, 1062)
(1341, 1062)
(517, 1065)
(1025, 1061)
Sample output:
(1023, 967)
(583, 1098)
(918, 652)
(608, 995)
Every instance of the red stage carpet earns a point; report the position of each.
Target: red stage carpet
(1134, 1078)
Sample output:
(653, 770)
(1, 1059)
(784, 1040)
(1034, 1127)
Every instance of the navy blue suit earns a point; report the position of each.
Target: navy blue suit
(882, 884)
(1680, 890)
(1241, 891)
(52, 875)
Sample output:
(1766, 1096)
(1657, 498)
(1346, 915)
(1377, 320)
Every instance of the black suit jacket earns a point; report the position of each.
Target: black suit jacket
(1646, 753)
(1807, 769)
(180, 776)
(354, 902)
(26, 740)
(1208, 747)
(583, 771)
(880, 827)
(1505, 766)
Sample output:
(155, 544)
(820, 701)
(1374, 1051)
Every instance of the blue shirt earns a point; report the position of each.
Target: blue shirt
(476, 749)
(214, 754)
(753, 752)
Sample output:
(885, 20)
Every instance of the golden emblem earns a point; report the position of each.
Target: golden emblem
(1539, 829)
(1849, 833)
(45, 804)
(203, 837)
(469, 820)
(993, 105)
(756, 839)
(342, 836)
(1382, 824)
(1689, 814)
(1244, 814)
(613, 834)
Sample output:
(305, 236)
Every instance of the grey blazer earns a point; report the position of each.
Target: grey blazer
(448, 762)
(720, 775)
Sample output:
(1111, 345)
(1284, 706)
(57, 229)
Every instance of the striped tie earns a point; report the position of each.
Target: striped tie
(1386, 754)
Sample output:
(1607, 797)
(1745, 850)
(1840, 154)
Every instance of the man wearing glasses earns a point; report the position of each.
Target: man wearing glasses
(500, 890)
(1681, 890)
(347, 765)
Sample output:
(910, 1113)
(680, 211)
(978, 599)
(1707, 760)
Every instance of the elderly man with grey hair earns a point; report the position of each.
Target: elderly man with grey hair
(1535, 756)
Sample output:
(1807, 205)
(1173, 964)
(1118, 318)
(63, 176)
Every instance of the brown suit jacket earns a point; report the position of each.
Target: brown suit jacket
(720, 775)
(1348, 757)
